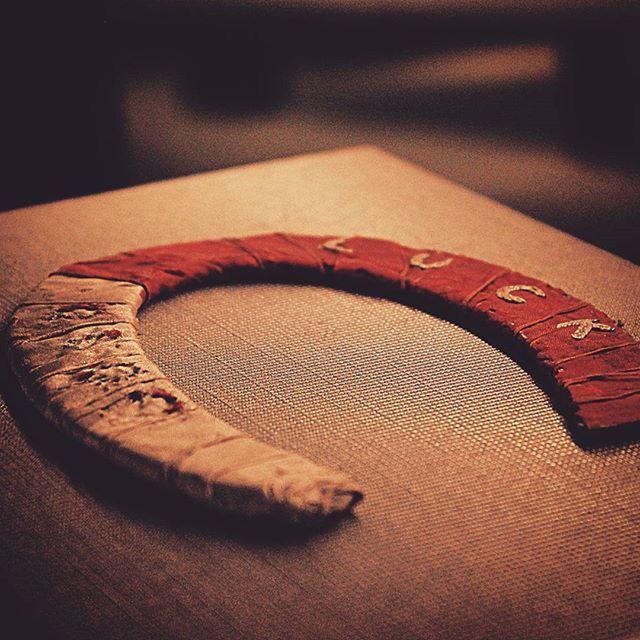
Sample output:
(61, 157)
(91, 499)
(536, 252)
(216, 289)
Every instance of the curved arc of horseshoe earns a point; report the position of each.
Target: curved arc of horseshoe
(75, 351)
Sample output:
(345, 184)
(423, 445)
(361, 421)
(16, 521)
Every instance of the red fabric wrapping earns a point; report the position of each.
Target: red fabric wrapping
(599, 374)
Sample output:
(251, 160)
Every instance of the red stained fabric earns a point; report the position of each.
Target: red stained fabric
(599, 374)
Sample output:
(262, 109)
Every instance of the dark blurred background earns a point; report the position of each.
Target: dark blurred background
(535, 104)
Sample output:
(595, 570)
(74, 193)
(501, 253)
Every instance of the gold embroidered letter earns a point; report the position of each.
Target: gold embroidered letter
(584, 327)
(419, 261)
(504, 293)
(335, 245)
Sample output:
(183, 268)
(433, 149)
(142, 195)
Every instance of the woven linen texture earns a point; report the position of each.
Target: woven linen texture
(482, 517)
(476, 496)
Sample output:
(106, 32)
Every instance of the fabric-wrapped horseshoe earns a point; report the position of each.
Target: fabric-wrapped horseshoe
(75, 351)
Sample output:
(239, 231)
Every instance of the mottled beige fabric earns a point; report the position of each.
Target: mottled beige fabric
(482, 518)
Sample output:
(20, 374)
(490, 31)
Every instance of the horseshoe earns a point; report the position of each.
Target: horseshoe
(74, 348)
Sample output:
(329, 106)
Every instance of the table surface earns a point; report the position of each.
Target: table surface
(483, 518)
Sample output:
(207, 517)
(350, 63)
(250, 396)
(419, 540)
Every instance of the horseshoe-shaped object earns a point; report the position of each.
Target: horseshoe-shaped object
(75, 351)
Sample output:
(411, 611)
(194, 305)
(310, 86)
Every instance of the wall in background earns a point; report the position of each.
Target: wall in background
(535, 106)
